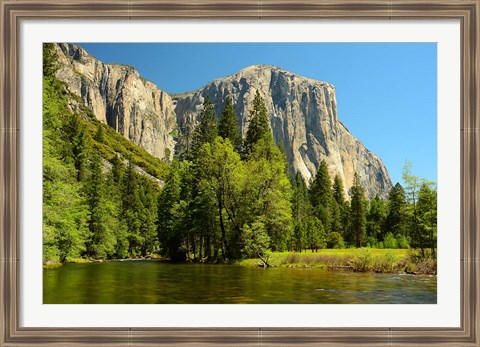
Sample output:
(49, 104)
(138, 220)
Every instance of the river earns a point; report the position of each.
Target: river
(152, 282)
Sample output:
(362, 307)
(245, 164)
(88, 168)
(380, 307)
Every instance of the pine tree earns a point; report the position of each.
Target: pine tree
(301, 209)
(358, 212)
(102, 240)
(259, 126)
(131, 206)
(376, 216)
(227, 127)
(148, 217)
(395, 222)
(77, 146)
(338, 192)
(321, 196)
(206, 129)
(100, 134)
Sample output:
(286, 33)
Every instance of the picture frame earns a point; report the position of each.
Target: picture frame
(13, 12)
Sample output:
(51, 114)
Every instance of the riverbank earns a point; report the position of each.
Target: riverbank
(54, 265)
(348, 259)
(353, 259)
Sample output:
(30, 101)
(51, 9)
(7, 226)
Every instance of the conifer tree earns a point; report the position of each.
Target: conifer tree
(321, 196)
(206, 129)
(395, 222)
(227, 127)
(301, 209)
(358, 212)
(131, 206)
(102, 242)
(376, 216)
(259, 126)
(76, 140)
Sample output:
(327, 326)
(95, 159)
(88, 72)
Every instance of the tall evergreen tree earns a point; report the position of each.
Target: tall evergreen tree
(338, 192)
(321, 196)
(206, 129)
(76, 148)
(358, 212)
(341, 210)
(102, 241)
(170, 214)
(376, 216)
(259, 126)
(227, 127)
(131, 205)
(147, 216)
(395, 221)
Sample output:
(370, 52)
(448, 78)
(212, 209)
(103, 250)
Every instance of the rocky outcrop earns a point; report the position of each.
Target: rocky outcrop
(304, 122)
(303, 113)
(120, 97)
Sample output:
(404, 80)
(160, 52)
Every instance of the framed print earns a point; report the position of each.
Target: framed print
(156, 226)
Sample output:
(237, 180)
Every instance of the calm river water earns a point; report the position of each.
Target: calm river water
(150, 282)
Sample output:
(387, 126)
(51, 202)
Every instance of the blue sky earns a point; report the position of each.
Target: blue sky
(386, 92)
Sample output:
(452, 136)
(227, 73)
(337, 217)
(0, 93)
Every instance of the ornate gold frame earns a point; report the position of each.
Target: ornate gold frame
(12, 12)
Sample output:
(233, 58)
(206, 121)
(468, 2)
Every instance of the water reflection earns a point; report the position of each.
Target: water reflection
(164, 283)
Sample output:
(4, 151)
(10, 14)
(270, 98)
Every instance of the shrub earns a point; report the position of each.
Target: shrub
(390, 241)
(335, 240)
(403, 242)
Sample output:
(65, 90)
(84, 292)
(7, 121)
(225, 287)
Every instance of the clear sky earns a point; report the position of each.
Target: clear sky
(386, 92)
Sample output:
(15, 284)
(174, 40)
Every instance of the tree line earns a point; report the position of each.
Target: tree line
(228, 199)
(224, 197)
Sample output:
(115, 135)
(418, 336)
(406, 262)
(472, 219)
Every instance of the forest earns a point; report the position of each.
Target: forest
(221, 199)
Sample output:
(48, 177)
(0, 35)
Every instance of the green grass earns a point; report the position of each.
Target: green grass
(353, 259)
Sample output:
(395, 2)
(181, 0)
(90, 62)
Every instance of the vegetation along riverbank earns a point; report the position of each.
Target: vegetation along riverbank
(353, 259)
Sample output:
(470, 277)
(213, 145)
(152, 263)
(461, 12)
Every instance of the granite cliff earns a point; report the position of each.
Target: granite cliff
(303, 113)
(304, 122)
(120, 97)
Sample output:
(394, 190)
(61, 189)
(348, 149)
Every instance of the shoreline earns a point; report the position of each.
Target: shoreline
(372, 260)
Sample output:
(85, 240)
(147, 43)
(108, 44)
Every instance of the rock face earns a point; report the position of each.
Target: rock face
(120, 97)
(303, 114)
(304, 122)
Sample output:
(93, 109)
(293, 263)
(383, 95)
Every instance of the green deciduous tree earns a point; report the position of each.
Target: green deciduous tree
(427, 215)
(412, 187)
(268, 191)
(222, 171)
(65, 212)
(256, 240)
